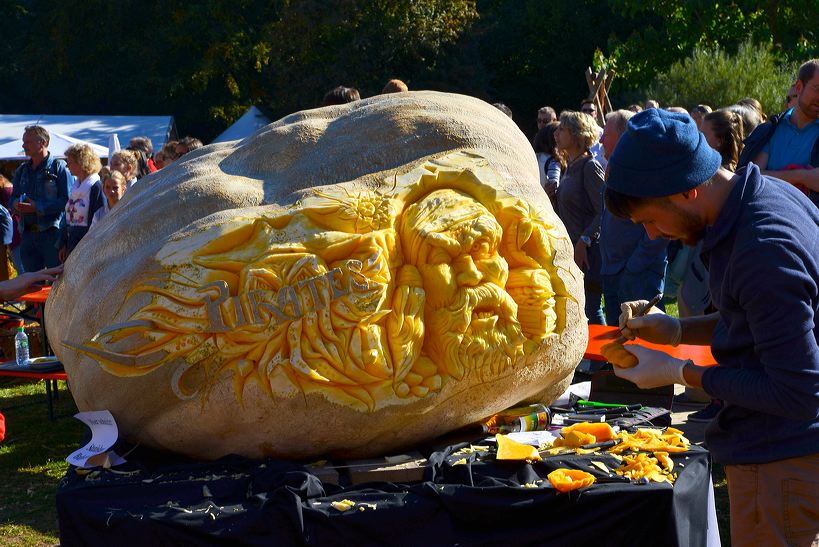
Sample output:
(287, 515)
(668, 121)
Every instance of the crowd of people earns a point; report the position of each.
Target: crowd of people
(51, 204)
(621, 263)
(731, 194)
(717, 207)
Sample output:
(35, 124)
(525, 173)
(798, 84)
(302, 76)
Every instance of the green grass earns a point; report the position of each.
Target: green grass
(32, 461)
(721, 502)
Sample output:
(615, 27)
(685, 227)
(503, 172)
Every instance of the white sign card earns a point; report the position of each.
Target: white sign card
(104, 434)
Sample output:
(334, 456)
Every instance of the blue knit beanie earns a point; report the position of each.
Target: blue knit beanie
(661, 153)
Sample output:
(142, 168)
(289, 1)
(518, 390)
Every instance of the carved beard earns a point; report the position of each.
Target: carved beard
(478, 332)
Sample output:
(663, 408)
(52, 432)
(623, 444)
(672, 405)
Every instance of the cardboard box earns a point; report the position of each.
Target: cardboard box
(399, 468)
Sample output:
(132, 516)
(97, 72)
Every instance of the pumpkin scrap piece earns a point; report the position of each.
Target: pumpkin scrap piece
(664, 459)
(558, 451)
(601, 430)
(343, 505)
(601, 466)
(585, 451)
(471, 449)
(574, 439)
(617, 355)
(513, 450)
(566, 480)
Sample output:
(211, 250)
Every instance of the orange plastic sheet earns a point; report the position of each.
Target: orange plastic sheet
(600, 335)
(38, 297)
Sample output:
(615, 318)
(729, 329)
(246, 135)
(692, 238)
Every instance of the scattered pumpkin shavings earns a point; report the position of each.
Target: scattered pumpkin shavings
(470, 449)
(601, 466)
(343, 505)
(642, 466)
(651, 440)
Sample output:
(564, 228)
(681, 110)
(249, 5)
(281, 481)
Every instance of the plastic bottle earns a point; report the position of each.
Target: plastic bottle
(21, 346)
(522, 418)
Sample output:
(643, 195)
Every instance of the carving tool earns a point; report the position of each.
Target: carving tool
(653, 302)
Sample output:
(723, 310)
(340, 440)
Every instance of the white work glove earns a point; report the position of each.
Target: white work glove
(655, 327)
(654, 369)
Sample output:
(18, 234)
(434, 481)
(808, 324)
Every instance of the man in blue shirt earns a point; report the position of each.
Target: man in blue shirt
(787, 145)
(40, 193)
(761, 243)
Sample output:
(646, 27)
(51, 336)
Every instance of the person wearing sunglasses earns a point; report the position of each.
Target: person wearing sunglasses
(587, 106)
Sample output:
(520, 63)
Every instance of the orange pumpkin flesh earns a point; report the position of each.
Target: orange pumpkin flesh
(601, 430)
(566, 480)
(616, 354)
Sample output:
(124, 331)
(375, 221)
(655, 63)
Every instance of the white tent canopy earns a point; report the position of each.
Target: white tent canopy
(57, 146)
(250, 121)
(90, 129)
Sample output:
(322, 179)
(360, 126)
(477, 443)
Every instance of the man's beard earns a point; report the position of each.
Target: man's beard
(478, 332)
(692, 229)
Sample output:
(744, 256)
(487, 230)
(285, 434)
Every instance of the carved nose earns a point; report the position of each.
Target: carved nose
(469, 274)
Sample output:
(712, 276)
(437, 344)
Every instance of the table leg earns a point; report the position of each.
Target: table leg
(50, 401)
(43, 337)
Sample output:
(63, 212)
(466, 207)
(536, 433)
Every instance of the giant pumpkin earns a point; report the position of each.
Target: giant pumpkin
(348, 281)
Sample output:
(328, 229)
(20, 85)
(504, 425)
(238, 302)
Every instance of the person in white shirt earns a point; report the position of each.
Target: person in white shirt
(114, 186)
(84, 197)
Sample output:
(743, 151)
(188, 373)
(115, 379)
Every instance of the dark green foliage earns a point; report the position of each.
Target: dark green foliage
(719, 78)
(206, 62)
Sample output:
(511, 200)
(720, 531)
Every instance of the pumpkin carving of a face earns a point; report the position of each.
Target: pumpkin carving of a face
(347, 318)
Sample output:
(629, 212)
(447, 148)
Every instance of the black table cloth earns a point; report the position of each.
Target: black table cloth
(156, 499)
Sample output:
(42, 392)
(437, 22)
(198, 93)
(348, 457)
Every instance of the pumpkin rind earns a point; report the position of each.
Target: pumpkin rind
(304, 292)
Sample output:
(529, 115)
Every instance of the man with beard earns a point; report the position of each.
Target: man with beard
(761, 244)
(787, 145)
(471, 320)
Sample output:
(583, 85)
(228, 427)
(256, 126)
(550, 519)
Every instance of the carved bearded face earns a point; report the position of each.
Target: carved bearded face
(470, 318)
(367, 298)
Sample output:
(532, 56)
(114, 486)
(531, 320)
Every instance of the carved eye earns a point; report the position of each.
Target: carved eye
(482, 248)
(439, 256)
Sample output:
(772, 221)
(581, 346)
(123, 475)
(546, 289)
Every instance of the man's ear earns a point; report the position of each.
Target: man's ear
(690, 194)
(799, 86)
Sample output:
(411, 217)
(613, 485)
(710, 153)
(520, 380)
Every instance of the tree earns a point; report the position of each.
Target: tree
(719, 78)
(206, 62)
(671, 29)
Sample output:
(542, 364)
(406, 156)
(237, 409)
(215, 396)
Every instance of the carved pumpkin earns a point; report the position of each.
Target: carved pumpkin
(347, 281)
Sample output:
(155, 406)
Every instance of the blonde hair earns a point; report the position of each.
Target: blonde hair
(117, 176)
(728, 128)
(129, 158)
(85, 156)
(582, 127)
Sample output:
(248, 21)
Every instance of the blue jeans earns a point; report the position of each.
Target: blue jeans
(38, 249)
(594, 309)
(627, 286)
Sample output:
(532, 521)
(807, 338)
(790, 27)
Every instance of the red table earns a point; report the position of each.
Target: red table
(38, 298)
(600, 335)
